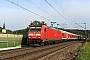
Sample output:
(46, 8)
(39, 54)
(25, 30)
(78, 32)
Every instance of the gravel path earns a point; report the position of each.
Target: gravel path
(66, 54)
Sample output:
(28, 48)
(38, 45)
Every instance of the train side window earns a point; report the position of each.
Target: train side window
(45, 29)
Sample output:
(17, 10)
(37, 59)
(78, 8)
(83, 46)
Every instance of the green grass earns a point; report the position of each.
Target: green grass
(9, 42)
(85, 52)
(9, 39)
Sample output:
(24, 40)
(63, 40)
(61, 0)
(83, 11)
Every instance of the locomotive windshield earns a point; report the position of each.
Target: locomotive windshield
(35, 28)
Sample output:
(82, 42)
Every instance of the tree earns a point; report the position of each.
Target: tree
(42, 22)
(4, 25)
(0, 29)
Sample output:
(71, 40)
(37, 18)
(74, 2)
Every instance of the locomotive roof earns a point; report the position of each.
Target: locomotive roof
(52, 27)
(36, 25)
(64, 31)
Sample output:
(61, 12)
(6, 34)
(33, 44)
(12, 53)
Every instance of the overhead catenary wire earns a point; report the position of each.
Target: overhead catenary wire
(44, 11)
(39, 7)
(64, 12)
(59, 4)
(62, 9)
(27, 9)
(55, 9)
(79, 26)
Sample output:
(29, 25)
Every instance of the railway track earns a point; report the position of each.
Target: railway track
(34, 53)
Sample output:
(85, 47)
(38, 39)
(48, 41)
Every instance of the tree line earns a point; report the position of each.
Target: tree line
(24, 31)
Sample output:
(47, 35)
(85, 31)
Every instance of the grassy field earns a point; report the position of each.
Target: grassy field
(10, 40)
(85, 52)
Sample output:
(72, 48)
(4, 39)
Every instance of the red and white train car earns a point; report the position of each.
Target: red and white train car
(68, 35)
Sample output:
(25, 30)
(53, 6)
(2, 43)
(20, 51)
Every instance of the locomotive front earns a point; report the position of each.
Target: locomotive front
(34, 34)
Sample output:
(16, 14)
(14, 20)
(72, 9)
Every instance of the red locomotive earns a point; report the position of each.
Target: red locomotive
(42, 34)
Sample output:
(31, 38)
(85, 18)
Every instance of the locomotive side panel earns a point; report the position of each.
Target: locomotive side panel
(52, 34)
(43, 32)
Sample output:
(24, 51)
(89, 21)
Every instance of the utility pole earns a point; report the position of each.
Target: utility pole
(57, 25)
(85, 30)
(82, 27)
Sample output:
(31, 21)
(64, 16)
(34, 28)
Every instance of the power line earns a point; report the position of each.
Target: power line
(63, 25)
(37, 7)
(62, 9)
(80, 25)
(27, 9)
(59, 4)
(29, 1)
(56, 10)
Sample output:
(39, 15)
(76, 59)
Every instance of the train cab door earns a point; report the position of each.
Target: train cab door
(45, 33)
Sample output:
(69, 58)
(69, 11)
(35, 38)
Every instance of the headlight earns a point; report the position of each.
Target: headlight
(29, 37)
(37, 34)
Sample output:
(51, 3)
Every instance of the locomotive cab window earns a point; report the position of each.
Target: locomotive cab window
(35, 28)
(38, 28)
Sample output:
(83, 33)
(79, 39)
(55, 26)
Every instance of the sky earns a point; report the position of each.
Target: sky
(65, 12)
